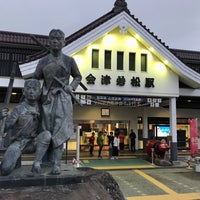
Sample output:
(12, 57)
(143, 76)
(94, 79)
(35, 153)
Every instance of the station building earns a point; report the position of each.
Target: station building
(133, 79)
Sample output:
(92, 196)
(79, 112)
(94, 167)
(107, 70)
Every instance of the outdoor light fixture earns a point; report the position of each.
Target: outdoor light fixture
(123, 29)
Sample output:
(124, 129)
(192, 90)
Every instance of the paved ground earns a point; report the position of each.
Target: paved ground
(156, 184)
(137, 179)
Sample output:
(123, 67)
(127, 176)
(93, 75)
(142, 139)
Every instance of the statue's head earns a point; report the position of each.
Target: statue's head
(32, 89)
(56, 39)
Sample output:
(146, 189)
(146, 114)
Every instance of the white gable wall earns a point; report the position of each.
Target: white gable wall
(169, 87)
(165, 81)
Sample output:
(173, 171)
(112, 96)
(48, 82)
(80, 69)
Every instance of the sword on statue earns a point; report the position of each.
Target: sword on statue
(6, 103)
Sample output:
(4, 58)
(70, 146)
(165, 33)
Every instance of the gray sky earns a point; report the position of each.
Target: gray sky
(175, 22)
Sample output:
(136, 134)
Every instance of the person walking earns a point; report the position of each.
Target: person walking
(132, 137)
(100, 144)
(116, 147)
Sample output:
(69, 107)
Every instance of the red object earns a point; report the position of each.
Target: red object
(159, 148)
(193, 137)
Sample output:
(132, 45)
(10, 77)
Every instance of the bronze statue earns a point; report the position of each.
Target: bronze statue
(23, 122)
(56, 100)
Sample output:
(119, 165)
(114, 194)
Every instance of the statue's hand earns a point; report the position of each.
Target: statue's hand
(68, 88)
(4, 113)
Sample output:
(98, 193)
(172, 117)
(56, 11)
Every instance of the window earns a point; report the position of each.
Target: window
(95, 58)
(120, 60)
(132, 61)
(107, 59)
(143, 62)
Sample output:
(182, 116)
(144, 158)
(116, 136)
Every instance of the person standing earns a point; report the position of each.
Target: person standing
(91, 143)
(132, 137)
(116, 147)
(100, 140)
(110, 144)
(121, 139)
(55, 70)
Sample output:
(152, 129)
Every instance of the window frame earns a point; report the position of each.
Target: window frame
(143, 62)
(132, 61)
(107, 59)
(95, 58)
(120, 60)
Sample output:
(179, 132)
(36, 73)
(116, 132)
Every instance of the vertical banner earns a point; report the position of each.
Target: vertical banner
(193, 137)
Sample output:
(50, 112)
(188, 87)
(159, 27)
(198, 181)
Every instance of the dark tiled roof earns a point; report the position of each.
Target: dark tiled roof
(21, 38)
(186, 54)
(190, 58)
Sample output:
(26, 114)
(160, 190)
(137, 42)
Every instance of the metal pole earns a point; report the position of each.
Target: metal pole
(172, 110)
(78, 146)
(152, 155)
(66, 151)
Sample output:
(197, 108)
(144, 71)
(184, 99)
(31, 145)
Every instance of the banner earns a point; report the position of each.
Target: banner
(193, 137)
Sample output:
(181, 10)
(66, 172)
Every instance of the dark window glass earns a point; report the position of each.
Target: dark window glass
(95, 58)
(132, 61)
(120, 60)
(107, 60)
(143, 62)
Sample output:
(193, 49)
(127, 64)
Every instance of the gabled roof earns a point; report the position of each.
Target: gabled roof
(119, 6)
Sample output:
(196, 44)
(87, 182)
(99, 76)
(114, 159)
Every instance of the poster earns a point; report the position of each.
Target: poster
(193, 137)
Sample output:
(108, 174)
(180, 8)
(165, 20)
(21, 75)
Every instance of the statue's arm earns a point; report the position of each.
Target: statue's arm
(75, 73)
(12, 118)
(3, 113)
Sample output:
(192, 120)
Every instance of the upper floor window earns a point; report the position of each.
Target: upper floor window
(120, 60)
(4, 56)
(132, 61)
(95, 58)
(107, 59)
(143, 62)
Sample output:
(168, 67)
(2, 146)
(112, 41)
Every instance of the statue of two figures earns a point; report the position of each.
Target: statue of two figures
(45, 116)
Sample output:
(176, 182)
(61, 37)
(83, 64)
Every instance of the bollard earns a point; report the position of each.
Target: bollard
(74, 162)
(189, 162)
(197, 164)
(152, 155)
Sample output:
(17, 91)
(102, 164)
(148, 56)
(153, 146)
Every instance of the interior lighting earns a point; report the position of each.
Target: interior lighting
(108, 40)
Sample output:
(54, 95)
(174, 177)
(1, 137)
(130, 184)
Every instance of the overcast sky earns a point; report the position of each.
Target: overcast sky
(175, 22)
